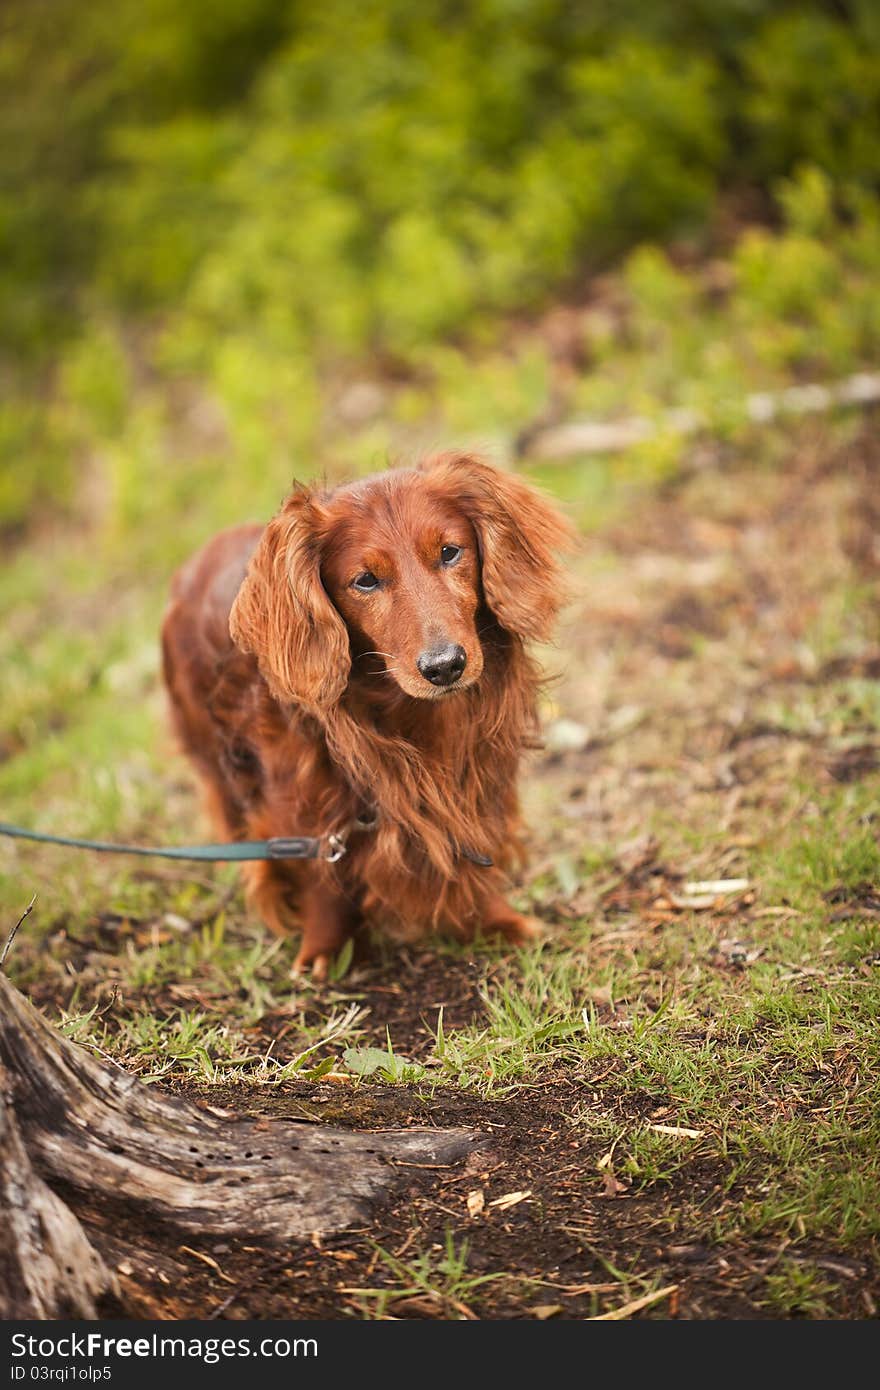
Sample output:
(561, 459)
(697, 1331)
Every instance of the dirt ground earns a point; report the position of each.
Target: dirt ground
(689, 628)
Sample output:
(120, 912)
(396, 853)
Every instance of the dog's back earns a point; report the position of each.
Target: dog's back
(202, 666)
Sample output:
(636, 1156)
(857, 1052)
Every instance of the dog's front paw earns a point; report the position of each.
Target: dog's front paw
(308, 962)
(327, 924)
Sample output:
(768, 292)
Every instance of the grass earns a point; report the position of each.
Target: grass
(796, 1289)
(439, 1277)
(775, 1068)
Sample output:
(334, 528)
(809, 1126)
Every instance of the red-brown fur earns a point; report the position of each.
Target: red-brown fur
(299, 699)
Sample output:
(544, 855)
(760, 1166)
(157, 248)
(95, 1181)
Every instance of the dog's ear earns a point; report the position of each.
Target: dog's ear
(522, 537)
(282, 613)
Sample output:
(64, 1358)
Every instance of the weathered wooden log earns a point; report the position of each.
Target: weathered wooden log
(117, 1147)
(48, 1269)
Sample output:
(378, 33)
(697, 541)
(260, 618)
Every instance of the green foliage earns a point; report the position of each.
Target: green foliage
(383, 1064)
(813, 92)
(33, 468)
(799, 1289)
(279, 187)
(787, 305)
(439, 1275)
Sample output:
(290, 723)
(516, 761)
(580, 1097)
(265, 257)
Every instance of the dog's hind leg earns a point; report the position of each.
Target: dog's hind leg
(500, 919)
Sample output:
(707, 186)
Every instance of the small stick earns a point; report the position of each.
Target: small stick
(11, 937)
(274, 1267)
(200, 1255)
(636, 1306)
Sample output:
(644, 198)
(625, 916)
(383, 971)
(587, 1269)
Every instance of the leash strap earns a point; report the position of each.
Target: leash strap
(329, 847)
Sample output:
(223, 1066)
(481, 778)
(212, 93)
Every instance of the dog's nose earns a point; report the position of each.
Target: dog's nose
(443, 665)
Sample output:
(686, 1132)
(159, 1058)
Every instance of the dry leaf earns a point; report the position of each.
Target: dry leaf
(697, 903)
(543, 1311)
(716, 886)
(510, 1199)
(613, 1186)
(176, 922)
(678, 1130)
(476, 1201)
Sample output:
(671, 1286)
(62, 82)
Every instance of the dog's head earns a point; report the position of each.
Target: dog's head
(399, 575)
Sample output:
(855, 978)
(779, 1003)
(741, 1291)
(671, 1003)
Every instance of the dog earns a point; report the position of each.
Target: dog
(358, 669)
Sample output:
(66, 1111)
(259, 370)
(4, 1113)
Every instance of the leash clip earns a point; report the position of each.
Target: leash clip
(336, 845)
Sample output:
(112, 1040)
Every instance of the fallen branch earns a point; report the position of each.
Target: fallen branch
(763, 407)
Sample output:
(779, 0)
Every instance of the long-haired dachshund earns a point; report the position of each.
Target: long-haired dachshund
(358, 669)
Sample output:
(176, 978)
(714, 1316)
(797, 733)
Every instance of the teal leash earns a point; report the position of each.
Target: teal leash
(328, 847)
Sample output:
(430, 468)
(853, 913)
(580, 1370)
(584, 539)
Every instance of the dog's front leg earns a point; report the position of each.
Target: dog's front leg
(327, 919)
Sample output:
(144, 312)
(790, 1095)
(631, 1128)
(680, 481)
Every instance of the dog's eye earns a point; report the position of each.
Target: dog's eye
(365, 582)
(449, 554)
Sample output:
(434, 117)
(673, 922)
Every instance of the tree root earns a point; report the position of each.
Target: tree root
(113, 1145)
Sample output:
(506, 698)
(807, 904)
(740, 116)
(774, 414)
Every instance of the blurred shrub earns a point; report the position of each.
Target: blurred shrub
(812, 92)
(34, 469)
(795, 304)
(273, 186)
